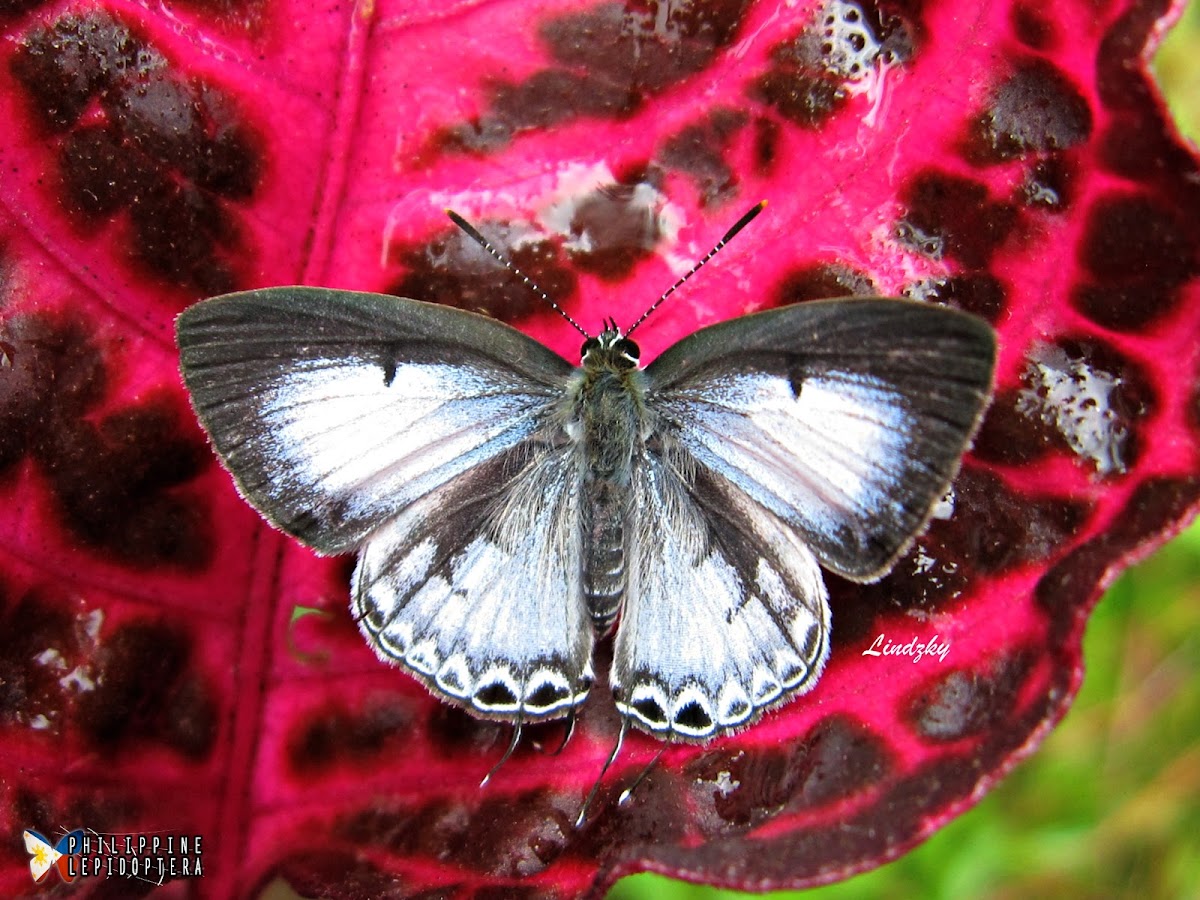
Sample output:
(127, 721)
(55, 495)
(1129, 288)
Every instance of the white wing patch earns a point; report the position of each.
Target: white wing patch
(496, 621)
(831, 451)
(726, 613)
(430, 423)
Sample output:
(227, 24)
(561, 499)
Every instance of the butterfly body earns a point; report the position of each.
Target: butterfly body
(507, 508)
(608, 423)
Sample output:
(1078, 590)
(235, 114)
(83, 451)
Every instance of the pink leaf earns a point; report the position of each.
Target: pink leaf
(1011, 159)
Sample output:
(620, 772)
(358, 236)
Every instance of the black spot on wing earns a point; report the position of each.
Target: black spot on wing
(546, 695)
(693, 717)
(651, 710)
(495, 694)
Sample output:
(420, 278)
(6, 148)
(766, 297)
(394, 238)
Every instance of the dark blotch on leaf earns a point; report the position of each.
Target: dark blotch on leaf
(1146, 150)
(142, 673)
(63, 66)
(113, 484)
(336, 736)
(1131, 235)
(611, 58)
(821, 280)
(169, 149)
(1035, 110)
(766, 144)
(319, 872)
(699, 151)
(968, 703)
(181, 232)
(803, 98)
(1033, 27)
(1011, 437)
(951, 216)
(455, 271)
(517, 836)
(1156, 505)
(504, 837)
(839, 758)
(1049, 185)
(39, 642)
(994, 529)
(114, 478)
(11, 10)
(1138, 254)
(98, 173)
(975, 292)
(629, 43)
(1079, 396)
(54, 374)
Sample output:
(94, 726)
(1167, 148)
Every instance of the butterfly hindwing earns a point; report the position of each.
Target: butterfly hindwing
(844, 418)
(477, 588)
(726, 613)
(334, 410)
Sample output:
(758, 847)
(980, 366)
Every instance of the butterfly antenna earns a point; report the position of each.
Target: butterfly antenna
(738, 226)
(512, 746)
(596, 787)
(628, 792)
(483, 242)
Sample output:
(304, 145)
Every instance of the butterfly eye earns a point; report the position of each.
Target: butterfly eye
(588, 346)
(628, 349)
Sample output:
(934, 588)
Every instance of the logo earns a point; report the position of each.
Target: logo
(43, 857)
(83, 853)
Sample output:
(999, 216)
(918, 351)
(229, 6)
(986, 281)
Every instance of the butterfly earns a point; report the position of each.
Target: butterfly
(508, 508)
(43, 856)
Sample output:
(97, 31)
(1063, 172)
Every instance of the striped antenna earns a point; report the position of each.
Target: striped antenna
(738, 226)
(504, 261)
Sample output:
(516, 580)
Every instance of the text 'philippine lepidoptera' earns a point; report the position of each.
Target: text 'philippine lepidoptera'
(508, 508)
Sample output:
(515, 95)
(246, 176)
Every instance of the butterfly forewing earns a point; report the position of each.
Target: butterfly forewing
(846, 419)
(334, 410)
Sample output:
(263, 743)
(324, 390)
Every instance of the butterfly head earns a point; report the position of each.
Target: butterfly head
(610, 350)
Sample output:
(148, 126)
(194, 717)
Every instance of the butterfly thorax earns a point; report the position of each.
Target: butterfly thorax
(607, 422)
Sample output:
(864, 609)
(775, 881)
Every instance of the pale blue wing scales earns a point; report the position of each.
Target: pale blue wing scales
(844, 418)
(476, 588)
(334, 410)
(726, 614)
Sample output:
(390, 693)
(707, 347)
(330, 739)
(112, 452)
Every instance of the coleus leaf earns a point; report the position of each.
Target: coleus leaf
(1007, 158)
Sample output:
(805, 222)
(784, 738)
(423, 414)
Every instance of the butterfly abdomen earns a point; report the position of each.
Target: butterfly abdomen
(603, 552)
